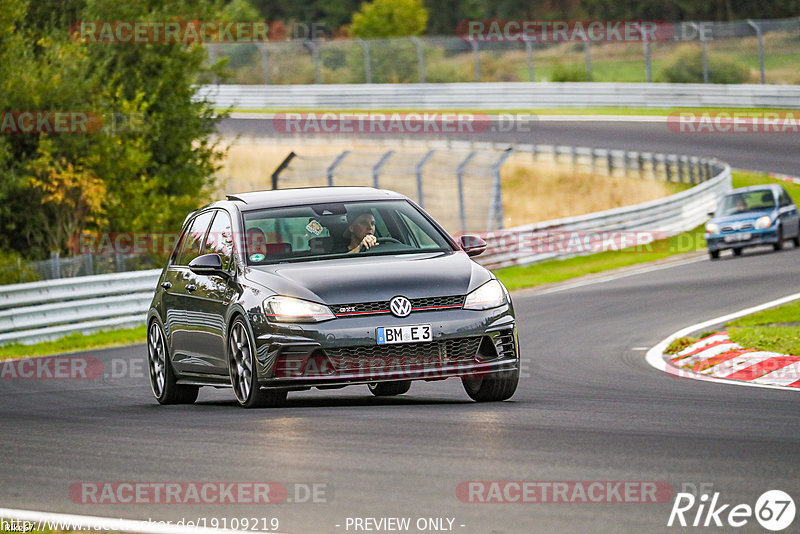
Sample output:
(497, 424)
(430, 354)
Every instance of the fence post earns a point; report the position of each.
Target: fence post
(610, 162)
(648, 71)
(757, 28)
(680, 168)
(335, 164)
(460, 176)
(314, 48)
(476, 60)
(667, 167)
(376, 170)
(55, 265)
(420, 59)
(367, 60)
(264, 52)
(702, 37)
(279, 170)
(496, 212)
(640, 164)
(212, 58)
(654, 165)
(88, 264)
(587, 50)
(529, 58)
(418, 170)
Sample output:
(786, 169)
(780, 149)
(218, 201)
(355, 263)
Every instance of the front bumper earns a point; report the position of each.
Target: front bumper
(345, 351)
(742, 238)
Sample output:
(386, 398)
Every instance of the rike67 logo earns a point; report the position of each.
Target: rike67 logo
(774, 510)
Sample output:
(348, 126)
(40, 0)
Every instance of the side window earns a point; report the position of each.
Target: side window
(193, 240)
(785, 199)
(220, 239)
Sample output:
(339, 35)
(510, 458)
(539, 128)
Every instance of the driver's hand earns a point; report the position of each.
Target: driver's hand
(369, 241)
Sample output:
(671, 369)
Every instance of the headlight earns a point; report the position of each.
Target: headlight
(292, 310)
(712, 228)
(763, 222)
(489, 295)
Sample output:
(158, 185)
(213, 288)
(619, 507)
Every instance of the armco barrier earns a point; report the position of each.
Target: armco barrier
(44, 311)
(500, 95)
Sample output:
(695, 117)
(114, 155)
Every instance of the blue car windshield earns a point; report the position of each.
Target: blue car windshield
(336, 230)
(744, 202)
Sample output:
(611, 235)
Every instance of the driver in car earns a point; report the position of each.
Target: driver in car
(361, 231)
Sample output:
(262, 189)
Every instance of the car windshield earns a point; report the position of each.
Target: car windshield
(743, 202)
(335, 230)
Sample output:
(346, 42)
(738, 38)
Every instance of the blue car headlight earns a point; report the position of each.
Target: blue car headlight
(763, 222)
(712, 228)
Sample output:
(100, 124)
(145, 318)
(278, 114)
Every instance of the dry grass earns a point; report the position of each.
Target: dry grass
(533, 191)
(544, 190)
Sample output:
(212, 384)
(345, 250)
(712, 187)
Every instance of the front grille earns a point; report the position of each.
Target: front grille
(404, 355)
(381, 307)
(747, 226)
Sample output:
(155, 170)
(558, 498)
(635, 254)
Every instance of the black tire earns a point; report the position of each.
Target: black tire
(714, 254)
(243, 371)
(493, 387)
(737, 252)
(163, 382)
(779, 244)
(796, 241)
(389, 389)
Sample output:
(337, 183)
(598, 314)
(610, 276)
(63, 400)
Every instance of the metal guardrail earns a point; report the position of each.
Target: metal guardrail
(500, 95)
(664, 217)
(45, 311)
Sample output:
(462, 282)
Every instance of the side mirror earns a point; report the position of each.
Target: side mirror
(710, 213)
(207, 264)
(473, 245)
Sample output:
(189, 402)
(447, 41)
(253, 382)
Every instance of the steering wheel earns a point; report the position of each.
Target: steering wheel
(389, 240)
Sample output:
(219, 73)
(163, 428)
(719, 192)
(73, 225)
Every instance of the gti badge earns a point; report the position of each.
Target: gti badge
(400, 306)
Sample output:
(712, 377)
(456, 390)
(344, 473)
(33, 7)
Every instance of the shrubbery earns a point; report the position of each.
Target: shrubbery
(687, 67)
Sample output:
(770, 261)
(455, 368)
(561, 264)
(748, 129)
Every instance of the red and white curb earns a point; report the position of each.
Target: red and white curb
(716, 358)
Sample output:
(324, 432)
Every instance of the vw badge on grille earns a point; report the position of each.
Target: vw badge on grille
(400, 306)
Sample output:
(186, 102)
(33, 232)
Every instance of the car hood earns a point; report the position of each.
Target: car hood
(750, 216)
(369, 279)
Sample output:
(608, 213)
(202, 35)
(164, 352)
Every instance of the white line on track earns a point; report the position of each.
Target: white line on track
(526, 116)
(612, 277)
(96, 523)
(655, 356)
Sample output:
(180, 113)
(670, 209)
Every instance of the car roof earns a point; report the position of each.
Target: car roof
(309, 195)
(762, 187)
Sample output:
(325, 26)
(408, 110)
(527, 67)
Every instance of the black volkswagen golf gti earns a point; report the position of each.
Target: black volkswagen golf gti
(277, 291)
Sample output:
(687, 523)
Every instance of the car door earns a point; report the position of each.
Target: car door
(212, 297)
(790, 218)
(182, 318)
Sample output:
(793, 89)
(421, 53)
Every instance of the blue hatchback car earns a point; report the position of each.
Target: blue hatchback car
(751, 216)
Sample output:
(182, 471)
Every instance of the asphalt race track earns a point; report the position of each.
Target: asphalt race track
(589, 408)
(768, 152)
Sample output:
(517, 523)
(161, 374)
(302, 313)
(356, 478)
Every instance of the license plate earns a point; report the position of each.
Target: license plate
(737, 237)
(404, 334)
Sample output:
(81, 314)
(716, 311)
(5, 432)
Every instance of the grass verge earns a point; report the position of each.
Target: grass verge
(774, 330)
(76, 342)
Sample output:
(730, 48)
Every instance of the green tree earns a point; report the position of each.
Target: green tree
(389, 18)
